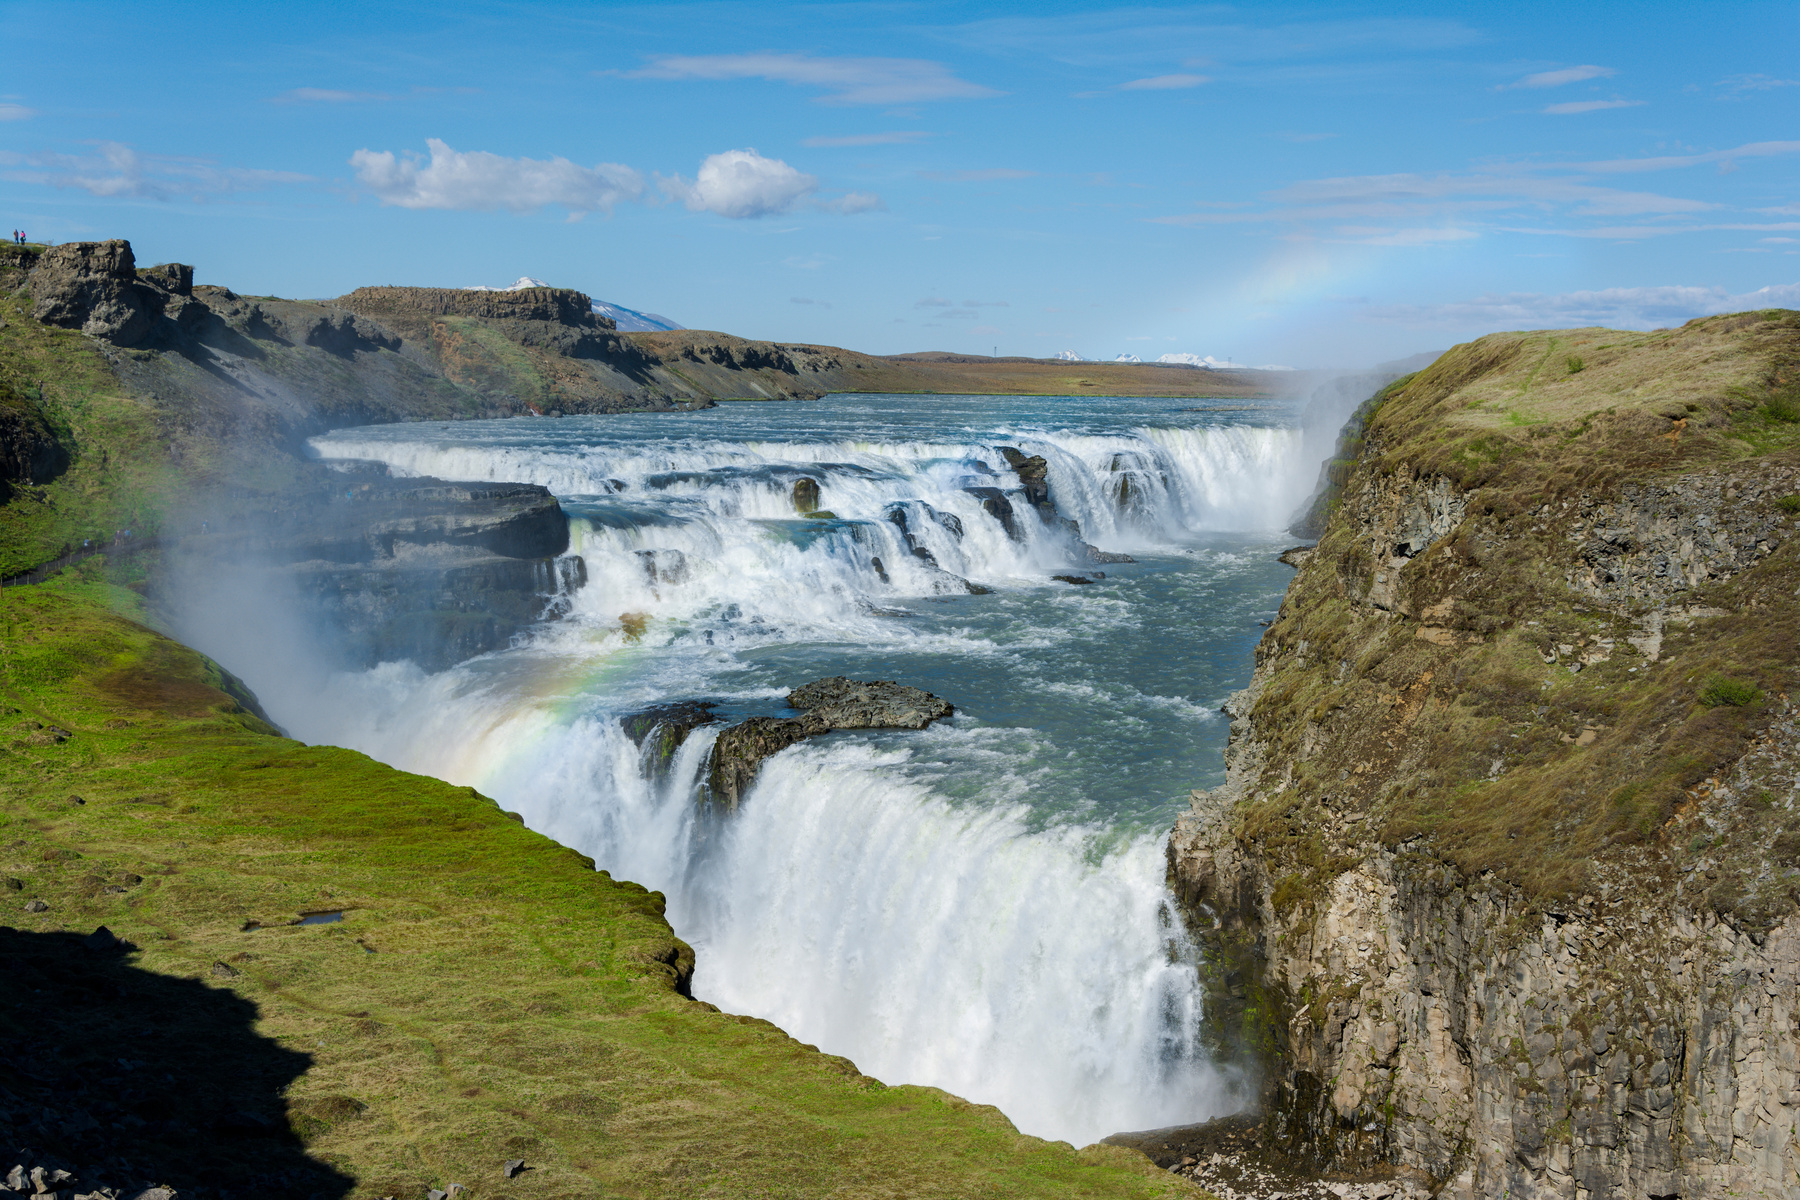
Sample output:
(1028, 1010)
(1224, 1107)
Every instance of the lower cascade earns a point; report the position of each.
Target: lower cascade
(978, 904)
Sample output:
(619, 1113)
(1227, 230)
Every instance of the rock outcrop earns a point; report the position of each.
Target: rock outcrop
(96, 287)
(1503, 887)
(421, 569)
(830, 704)
(30, 450)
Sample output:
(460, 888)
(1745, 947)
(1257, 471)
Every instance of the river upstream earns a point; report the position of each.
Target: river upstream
(979, 906)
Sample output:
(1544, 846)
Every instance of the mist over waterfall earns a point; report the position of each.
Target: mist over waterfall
(978, 906)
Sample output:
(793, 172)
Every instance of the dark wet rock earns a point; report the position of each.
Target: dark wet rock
(664, 566)
(995, 503)
(830, 704)
(880, 570)
(1075, 579)
(898, 515)
(879, 704)
(1034, 480)
(660, 730)
(806, 496)
(977, 589)
(1096, 555)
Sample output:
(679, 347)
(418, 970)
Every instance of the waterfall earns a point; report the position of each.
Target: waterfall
(979, 906)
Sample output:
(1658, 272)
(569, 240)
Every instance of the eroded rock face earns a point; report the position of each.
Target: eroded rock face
(830, 704)
(93, 287)
(1639, 1037)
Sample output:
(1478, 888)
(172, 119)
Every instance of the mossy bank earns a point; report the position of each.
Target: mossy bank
(1508, 860)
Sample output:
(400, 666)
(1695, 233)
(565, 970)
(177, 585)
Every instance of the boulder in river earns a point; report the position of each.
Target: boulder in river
(829, 704)
(660, 730)
(806, 496)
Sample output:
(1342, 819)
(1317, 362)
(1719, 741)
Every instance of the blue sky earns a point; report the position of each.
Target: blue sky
(1306, 185)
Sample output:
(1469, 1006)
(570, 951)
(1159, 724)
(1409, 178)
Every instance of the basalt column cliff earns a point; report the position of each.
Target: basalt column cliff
(1502, 889)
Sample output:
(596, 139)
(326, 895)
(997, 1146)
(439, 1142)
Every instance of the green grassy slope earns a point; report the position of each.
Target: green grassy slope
(487, 995)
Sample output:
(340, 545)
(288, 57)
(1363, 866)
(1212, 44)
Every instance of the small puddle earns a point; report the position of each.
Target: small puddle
(321, 918)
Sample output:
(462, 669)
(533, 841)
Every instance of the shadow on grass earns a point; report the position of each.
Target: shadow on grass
(127, 1078)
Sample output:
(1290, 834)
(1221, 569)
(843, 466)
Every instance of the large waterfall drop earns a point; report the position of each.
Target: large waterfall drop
(979, 906)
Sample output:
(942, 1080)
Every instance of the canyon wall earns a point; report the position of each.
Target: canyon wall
(1503, 887)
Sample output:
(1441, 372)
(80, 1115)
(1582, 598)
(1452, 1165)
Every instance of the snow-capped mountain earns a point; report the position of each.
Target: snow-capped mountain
(1068, 356)
(1217, 364)
(1128, 358)
(629, 320)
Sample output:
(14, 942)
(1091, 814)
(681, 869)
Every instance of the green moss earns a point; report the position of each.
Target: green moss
(1734, 692)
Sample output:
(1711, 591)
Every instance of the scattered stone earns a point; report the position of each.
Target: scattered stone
(101, 939)
(15, 1179)
(224, 971)
(512, 1167)
(36, 906)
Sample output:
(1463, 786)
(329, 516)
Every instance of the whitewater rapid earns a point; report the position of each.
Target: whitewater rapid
(979, 906)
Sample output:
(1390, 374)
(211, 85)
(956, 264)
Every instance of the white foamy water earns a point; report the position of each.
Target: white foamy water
(979, 906)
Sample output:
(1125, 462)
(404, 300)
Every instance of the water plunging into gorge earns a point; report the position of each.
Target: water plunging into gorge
(980, 905)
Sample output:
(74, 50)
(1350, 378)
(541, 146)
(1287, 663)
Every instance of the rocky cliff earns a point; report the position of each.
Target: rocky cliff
(1503, 888)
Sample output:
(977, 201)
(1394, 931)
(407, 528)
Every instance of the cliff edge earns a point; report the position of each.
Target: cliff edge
(1503, 887)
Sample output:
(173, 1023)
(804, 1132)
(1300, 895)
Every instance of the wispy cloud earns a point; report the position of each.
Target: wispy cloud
(982, 175)
(1755, 83)
(115, 169)
(895, 137)
(478, 181)
(1562, 75)
(1164, 83)
(851, 203)
(308, 95)
(1631, 308)
(844, 80)
(1622, 166)
(16, 112)
(1553, 199)
(1574, 107)
(933, 302)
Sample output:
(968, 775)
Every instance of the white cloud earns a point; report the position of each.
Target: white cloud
(479, 181)
(1546, 79)
(845, 80)
(1639, 307)
(115, 169)
(742, 184)
(16, 112)
(893, 138)
(1164, 83)
(308, 95)
(1586, 106)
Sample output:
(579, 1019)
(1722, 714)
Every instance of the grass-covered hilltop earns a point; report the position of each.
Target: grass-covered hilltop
(486, 996)
(1508, 860)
